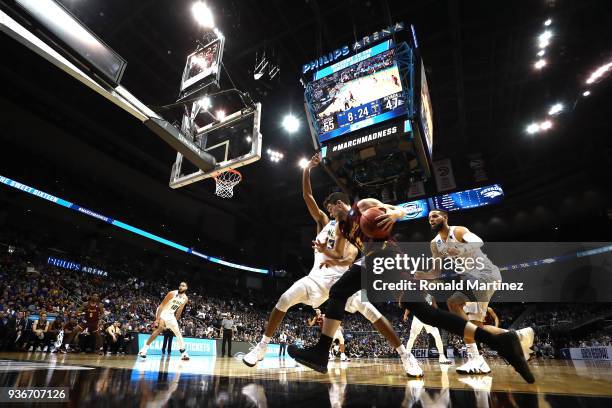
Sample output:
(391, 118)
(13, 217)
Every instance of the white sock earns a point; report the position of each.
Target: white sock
(145, 347)
(401, 349)
(472, 348)
(265, 340)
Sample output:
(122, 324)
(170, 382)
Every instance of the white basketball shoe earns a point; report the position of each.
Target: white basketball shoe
(411, 365)
(474, 365)
(256, 354)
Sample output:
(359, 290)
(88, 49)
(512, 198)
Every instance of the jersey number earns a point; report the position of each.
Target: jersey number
(174, 307)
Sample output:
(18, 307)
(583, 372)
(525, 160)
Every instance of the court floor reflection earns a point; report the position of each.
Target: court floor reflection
(167, 381)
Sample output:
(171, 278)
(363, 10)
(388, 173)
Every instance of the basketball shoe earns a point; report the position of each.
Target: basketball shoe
(411, 365)
(256, 354)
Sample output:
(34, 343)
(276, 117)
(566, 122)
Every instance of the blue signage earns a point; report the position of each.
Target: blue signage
(460, 200)
(377, 36)
(416, 209)
(358, 45)
(194, 346)
(41, 194)
(476, 197)
(73, 266)
(326, 59)
(34, 317)
(364, 55)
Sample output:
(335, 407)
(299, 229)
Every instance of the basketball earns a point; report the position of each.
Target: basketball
(369, 225)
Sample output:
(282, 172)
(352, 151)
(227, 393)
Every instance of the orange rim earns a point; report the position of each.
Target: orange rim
(230, 171)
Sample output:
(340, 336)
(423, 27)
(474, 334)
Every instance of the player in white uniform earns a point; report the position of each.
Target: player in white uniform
(459, 242)
(313, 289)
(166, 317)
(417, 326)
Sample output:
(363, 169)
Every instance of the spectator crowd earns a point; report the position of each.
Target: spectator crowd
(40, 310)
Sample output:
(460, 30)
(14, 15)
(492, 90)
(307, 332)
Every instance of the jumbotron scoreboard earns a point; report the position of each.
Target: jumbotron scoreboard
(370, 114)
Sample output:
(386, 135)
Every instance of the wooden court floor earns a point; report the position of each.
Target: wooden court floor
(207, 381)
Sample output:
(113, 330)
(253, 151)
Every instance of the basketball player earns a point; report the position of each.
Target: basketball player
(167, 315)
(395, 80)
(40, 333)
(417, 326)
(69, 329)
(313, 289)
(348, 226)
(91, 312)
(459, 242)
(339, 336)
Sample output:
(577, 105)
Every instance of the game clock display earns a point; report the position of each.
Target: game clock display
(374, 108)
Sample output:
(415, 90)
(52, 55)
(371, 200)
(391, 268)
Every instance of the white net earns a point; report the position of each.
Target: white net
(225, 183)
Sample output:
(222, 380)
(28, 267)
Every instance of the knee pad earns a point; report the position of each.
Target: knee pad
(369, 312)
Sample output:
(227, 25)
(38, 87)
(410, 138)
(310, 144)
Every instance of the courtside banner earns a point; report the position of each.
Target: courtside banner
(591, 353)
(195, 347)
(576, 272)
(365, 138)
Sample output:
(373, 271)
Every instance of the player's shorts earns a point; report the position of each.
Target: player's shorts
(315, 291)
(338, 335)
(91, 326)
(417, 326)
(306, 290)
(170, 322)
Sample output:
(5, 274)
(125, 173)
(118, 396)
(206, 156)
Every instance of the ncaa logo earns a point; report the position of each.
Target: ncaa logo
(413, 210)
(492, 192)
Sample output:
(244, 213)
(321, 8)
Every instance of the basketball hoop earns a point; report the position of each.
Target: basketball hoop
(225, 183)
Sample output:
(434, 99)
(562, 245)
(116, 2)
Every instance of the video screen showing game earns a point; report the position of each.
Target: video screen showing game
(202, 64)
(365, 93)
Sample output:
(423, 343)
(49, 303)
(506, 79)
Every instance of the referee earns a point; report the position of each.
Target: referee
(228, 327)
(283, 344)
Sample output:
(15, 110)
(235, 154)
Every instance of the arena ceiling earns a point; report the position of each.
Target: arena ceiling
(479, 57)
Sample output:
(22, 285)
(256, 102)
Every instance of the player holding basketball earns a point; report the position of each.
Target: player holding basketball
(313, 289)
(91, 313)
(417, 326)
(166, 317)
(318, 320)
(507, 344)
(459, 242)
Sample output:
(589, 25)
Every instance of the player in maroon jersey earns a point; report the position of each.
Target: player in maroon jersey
(395, 80)
(69, 329)
(91, 312)
(316, 319)
(507, 344)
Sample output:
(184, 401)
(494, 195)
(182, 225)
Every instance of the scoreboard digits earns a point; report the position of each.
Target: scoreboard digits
(362, 112)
